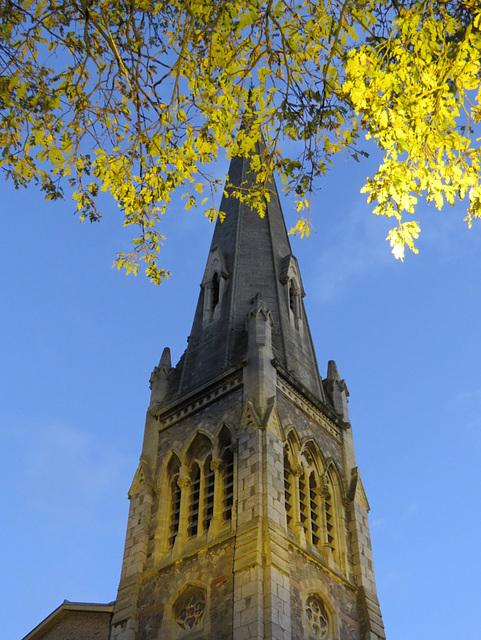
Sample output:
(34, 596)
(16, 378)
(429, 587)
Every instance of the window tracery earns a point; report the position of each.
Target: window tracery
(199, 491)
(190, 609)
(312, 501)
(317, 618)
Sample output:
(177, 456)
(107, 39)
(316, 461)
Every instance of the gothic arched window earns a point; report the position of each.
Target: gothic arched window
(317, 618)
(303, 500)
(288, 489)
(331, 505)
(209, 476)
(309, 507)
(228, 483)
(291, 279)
(194, 502)
(174, 496)
(314, 510)
(189, 610)
(213, 285)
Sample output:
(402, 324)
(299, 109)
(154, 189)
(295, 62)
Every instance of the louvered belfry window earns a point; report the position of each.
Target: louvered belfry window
(288, 490)
(314, 509)
(329, 518)
(303, 500)
(174, 509)
(228, 488)
(194, 501)
(209, 476)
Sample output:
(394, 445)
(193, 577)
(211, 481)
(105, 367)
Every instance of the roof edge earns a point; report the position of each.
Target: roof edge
(62, 610)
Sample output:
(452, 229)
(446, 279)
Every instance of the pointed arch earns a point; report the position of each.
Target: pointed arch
(294, 291)
(311, 466)
(334, 515)
(213, 285)
(311, 451)
(294, 445)
(197, 462)
(208, 497)
(174, 496)
(226, 465)
(163, 471)
(198, 447)
(288, 489)
(291, 464)
(223, 437)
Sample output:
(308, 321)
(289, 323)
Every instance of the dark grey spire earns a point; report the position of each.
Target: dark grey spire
(249, 255)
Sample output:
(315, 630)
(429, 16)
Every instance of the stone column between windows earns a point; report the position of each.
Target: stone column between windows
(184, 483)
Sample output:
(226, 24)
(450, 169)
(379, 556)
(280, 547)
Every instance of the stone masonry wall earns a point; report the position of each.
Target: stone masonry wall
(211, 570)
(340, 599)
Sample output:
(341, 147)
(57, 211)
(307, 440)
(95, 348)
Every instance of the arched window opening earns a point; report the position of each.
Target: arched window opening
(189, 610)
(330, 518)
(292, 298)
(228, 497)
(193, 527)
(317, 618)
(303, 500)
(209, 476)
(213, 284)
(314, 509)
(174, 493)
(288, 490)
(174, 509)
(215, 292)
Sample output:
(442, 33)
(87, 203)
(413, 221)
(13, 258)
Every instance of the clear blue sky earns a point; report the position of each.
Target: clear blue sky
(79, 341)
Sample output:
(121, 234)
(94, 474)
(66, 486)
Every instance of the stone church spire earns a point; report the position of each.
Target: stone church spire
(248, 519)
(248, 256)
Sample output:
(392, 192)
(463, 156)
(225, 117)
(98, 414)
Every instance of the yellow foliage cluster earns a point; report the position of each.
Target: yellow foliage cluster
(136, 99)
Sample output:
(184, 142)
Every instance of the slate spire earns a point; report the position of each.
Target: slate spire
(249, 255)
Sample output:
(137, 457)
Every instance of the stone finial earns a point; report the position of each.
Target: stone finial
(336, 390)
(159, 379)
(165, 361)
(332, 371)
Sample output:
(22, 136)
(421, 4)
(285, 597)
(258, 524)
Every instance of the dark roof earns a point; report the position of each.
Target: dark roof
(254, 256)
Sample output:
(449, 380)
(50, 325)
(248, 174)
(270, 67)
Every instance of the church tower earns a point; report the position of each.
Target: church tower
(248, 518)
